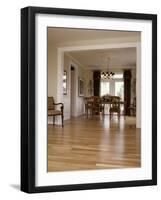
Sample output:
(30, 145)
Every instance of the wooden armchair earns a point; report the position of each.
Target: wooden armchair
(115, 106)
(53, 112)
(98, 105)
(88, 101)
(106, 98)
(94, 105)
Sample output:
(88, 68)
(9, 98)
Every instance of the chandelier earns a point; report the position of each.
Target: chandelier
(107, 74)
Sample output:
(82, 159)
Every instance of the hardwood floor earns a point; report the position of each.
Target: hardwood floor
(94, 143)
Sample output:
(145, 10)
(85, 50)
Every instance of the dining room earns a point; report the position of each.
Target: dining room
(94, 121)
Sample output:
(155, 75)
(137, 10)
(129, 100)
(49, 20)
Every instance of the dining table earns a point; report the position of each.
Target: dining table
(118, 102)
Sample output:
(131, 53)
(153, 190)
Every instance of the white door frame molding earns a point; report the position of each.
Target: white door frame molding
(75, 86)
(137, 45)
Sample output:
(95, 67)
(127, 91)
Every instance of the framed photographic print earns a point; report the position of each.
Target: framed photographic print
(68, 143)
(65, 82)
(81, 87)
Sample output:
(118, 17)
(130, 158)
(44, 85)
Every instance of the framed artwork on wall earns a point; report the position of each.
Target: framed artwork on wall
(43, 74)
(65, 83)
(81, 87)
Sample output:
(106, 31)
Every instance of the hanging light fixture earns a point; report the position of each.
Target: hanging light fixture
(107, 74)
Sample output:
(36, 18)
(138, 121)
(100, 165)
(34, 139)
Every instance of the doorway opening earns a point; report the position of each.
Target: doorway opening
(72, 91)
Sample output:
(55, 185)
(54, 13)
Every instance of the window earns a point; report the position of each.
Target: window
(105, 88)
(114, 86)
(119, 89)
(118, 76)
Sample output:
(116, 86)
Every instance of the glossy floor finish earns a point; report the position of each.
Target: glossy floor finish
(94, 143)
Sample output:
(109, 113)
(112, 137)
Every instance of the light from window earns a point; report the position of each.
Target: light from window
(119, 89)
(116, 76)
(105, 88)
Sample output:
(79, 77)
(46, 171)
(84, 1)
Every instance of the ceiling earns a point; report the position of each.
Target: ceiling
(62, 35)
(120, 58)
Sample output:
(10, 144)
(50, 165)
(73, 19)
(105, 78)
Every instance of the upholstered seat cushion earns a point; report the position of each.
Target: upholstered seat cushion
(54, 112)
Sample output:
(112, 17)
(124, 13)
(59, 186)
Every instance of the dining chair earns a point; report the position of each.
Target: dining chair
(115, 106)
(88, 102)
(98, 105)
(52, 111)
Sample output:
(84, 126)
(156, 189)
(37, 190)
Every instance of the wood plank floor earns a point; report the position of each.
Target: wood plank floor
(94, 143)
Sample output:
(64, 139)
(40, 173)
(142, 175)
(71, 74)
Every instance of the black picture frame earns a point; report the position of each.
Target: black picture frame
(28, 98)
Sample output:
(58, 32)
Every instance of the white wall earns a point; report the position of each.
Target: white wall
(10, 101)
(133, 84)
(79, 72)
(52, 70)
(88, 76)
(138, 86)
(53, 55)
(100, 41)
(66, 60)
(52, 80)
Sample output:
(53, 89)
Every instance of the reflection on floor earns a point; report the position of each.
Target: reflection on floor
(94, 143)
